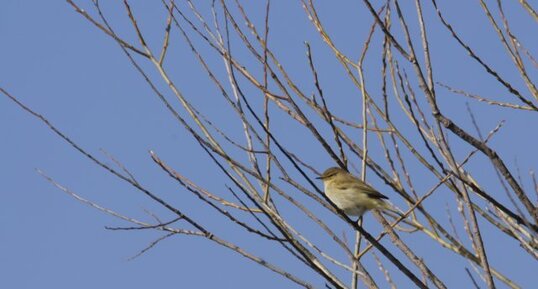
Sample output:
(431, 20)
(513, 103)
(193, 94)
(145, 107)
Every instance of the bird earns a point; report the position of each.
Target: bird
(350, 194)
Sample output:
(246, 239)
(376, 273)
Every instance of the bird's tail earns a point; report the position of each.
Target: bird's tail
(386, 205)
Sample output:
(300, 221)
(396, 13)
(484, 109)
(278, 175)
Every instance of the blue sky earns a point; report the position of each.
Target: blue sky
(57, 63)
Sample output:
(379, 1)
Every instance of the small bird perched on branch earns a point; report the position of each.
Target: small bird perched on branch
(350, 194)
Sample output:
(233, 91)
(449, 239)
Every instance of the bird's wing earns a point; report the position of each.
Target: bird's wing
(364, 187)
(372, 192)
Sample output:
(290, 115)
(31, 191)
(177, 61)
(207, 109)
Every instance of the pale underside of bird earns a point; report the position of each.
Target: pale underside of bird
(353, 203)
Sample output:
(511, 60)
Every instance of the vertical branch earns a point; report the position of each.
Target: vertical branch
(356, 259)
(364, 120)
(266, 105)
(358, 236)
(167, 32)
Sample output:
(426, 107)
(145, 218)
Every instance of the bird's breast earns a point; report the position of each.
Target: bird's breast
(349, 200)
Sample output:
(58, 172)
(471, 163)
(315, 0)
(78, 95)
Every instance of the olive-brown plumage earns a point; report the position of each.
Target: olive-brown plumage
(349, 193)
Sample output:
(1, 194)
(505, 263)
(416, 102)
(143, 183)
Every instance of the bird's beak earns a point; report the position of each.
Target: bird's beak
(319, 178)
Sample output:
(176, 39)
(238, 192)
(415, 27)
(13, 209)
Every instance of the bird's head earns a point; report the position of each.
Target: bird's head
(331, 173)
